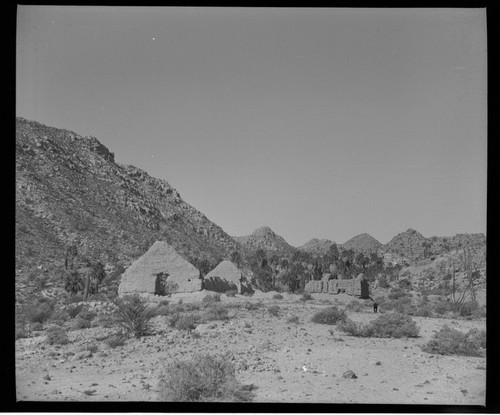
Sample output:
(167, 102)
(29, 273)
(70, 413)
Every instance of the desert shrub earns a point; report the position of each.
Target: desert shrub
(293, 320)
(80, 323)
(74, 311)
(423, 310)
(134, 315)
(395, 325)
(115, 340)
(277, 297)
(192, 306)
(354, 305)
(187, 322)
(253, 306)
(56, 335)
(442, 307)
(231, 293)
(91, 347)
(210, 299)
(59, 316)
(274, 310)
(306, 296)
(36, 326)
(331, 315)
(162, 310)
(40, 311)
(216, 312)
(468, 309)
(84, 320)
(204, 378)
(449, 341)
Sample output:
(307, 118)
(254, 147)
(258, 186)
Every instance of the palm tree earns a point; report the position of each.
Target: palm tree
(73, 283)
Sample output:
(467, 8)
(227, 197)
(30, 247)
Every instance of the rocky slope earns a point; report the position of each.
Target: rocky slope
(412, 245)
(317, 246)
(264, 238)
(362, 243)
(70, 190)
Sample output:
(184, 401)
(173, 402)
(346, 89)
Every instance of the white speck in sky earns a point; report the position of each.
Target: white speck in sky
(154, 38)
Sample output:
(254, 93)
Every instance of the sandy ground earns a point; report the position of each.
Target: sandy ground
(287, 362)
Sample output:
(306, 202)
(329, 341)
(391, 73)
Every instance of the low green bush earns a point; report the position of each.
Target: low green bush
(331, 316)
(204, 378)
(40, 311)
(210, 299)
(393, 325)
(442, 307)
(293, 320)
(277, 297)
(115, 340)
(187, 322)
(449, 341)
(56, 335)
(75, 310)
(355, 306)
(469, 309)
(216, 312)
(59, 316)
(274, 310)
(306, 296)
(253, 306)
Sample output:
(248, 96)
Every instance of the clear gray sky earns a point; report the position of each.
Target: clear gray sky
(319, 123)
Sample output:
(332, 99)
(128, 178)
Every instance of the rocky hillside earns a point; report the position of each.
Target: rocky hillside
(412, 245)
(70, 190)
(264, 238)
(317, 246)
(362, 243)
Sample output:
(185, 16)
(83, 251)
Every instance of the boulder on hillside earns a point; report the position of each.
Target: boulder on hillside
(161, 270)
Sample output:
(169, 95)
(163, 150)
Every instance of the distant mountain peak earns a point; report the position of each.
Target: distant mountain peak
(362, 242)
(264, 230)
(317, 246)
(264, 238)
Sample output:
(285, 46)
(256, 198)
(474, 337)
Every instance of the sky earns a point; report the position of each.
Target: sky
(319, 123)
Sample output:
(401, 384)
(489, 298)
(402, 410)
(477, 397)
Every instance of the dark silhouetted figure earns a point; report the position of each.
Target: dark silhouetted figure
(375, 307)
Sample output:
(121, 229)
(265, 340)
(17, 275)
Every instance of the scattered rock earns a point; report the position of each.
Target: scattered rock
(349, 375)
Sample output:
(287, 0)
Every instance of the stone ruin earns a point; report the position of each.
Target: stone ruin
(358, 286)
(161, 271)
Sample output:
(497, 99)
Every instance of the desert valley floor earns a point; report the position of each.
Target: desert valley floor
(286, 362)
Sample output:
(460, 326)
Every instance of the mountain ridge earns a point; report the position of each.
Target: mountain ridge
(70, 190)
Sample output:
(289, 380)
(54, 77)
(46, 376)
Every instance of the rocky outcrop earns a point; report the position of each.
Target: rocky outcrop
(160, 271)
(411, 245)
